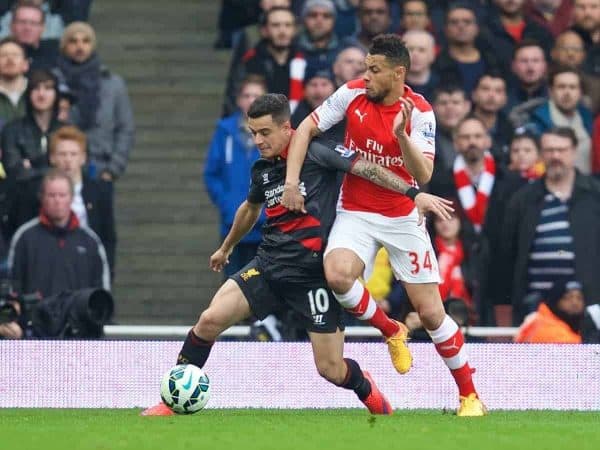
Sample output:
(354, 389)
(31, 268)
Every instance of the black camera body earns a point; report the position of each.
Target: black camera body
(70, 314)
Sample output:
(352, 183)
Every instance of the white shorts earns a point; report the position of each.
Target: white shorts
(409, 247)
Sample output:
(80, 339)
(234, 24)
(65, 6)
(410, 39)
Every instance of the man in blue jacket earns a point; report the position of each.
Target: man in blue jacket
(226, 174)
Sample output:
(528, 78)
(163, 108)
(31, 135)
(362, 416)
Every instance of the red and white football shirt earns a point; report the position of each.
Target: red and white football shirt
(369, 132)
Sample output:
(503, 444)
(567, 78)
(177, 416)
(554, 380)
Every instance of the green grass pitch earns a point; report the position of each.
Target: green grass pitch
(261, 429)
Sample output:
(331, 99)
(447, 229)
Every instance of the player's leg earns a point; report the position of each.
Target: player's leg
(228, 307)
(413, 261)
(345, 372)
(351, 248)
(448, 341)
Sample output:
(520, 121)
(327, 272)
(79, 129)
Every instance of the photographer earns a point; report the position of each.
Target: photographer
(53, 254)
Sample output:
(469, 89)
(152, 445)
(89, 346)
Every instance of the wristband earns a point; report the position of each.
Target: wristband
(412, 192)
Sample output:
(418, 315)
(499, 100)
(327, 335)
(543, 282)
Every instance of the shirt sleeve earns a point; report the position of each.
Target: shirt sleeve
(422, 132)
(332, 156)
(333, 110)
(255, 194)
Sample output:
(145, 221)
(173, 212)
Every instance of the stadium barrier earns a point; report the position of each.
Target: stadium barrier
(180, 331)
(126, 374)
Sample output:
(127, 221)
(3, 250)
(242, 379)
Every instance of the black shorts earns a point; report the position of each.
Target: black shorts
(315, 307)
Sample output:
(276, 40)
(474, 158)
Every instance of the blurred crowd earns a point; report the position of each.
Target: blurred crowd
(66, 131)
(515, 88)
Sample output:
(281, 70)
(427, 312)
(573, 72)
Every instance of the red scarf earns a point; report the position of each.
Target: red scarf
(297, 72)
(450, 258)
(474, 203)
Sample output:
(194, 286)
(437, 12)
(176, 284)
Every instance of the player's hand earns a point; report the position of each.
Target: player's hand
(431, 203)
(403, 116)
(219, 260)
(292, 199)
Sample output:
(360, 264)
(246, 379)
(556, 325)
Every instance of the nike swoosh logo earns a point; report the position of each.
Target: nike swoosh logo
(189, 383)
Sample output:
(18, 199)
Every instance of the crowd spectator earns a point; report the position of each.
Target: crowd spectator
(13, 83)
(374, 17)
(275, 57)
(554, 15)
(92, 199)
(24, 141)
(525, 156)
(230, 157)
(317, 87)
(564, 109)
(103, 109)
(415, 17)
(489, 99)
(464, 59)
(508, 26)
(461, 260)
(551, 228)
(529, 67)
(349, 65)
(451, 106)
(586, 21)
(558, 318)
(53, 252)
(27, 27)
(53, 23)
(318, 41)
(569, 51)
(421, 77)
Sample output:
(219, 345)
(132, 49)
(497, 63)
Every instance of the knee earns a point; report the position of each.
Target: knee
(339, 279)
(431, 315)
(332, 370)
(209, 325)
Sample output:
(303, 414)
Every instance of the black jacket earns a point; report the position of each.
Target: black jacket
(447, 66)
(503, 43)
(520, 223)
(46, 259)
(97, 196)
(23, 139)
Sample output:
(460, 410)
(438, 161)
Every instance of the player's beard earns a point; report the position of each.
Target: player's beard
(377, 97)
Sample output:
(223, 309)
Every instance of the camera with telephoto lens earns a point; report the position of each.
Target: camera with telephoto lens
(8, 300)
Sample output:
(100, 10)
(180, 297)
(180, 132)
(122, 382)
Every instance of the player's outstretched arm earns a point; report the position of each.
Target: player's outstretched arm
(292, 199)
(385, 178)
(245, 218)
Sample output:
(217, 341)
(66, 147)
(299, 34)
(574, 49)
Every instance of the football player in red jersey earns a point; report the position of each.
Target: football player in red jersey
(389, 124)
(287, 272)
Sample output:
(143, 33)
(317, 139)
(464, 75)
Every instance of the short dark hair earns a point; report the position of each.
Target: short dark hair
(448, 88)
(492, 73)
(559, 70)
(564, 132)
(528, 43)
(459, 5)
(525, 133)
(265, 17)
(392, 47)
(276, 105)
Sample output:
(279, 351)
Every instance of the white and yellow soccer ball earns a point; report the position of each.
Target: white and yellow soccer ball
(185, 389)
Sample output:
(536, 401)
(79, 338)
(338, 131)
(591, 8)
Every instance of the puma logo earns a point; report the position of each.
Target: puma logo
(360, 115)
(453, 346)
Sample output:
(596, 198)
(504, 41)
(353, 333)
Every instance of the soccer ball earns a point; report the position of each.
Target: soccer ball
(185, 389)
